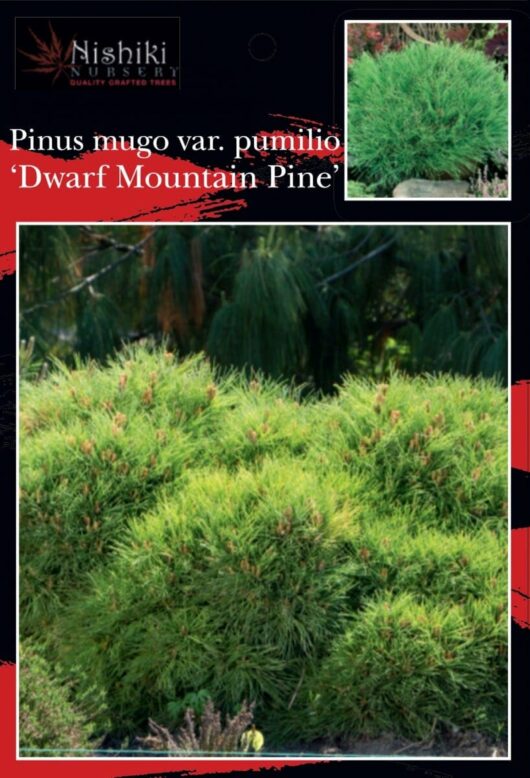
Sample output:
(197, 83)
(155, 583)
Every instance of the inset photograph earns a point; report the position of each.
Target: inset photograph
(427, 110)
(263, 491)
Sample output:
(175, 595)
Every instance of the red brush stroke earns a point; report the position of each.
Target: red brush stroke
(7, 263)
(91, 205)
(520, 450)
(103, 768)
(521, 577)
(521, 425)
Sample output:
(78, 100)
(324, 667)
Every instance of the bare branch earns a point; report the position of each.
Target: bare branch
(88, 281)
(347, 270)
(407, 29)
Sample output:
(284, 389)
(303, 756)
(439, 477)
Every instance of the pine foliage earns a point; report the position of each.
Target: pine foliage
(425, 112)
(183, 530)
(302, 303)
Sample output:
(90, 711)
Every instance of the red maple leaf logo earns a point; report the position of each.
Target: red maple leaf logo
(51, 57)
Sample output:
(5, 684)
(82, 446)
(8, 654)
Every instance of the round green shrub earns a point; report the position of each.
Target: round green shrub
(404, 667)
(434, 446)
(451, 567)
(267, 420)
(47, 716)
(97, 446)
(228, 587)
(433, 112)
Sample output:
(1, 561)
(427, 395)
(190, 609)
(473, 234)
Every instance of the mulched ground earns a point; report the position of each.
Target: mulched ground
(449, 744)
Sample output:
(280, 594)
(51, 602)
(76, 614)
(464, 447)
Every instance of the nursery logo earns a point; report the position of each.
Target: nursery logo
(95, 52)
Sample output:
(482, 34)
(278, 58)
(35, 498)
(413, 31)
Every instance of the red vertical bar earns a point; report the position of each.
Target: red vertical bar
(521, 576)
(520, 425)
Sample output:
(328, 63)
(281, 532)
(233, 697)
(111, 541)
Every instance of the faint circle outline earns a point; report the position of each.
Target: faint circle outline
(265, 36)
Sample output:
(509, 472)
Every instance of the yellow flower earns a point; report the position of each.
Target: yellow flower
(252, 740)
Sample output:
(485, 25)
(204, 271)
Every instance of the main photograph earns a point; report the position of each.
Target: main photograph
(263, 495)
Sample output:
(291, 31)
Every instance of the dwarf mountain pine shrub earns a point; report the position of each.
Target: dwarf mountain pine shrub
(241, 538)
(393, 553)
(435, 446)
(425, 112)
(97, 445)
(229, 587)
(402, 666)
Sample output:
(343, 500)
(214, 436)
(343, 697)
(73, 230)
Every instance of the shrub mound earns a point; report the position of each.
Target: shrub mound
(98, 445)
(434, 112)
(228, 587)
(405, 667)
(255, 543)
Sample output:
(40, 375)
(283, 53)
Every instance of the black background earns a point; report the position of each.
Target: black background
(226, 89)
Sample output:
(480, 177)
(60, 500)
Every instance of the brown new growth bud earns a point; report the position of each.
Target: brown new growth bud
(211, 391)
(119, 419)
(395, 416)
(147, 397)
(414, 442)
(438, 476)
(122, 383)
(317, 519)
(87, 446)
(284, 527)
(252, 435)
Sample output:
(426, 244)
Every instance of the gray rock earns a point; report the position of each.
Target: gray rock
(421, 187)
